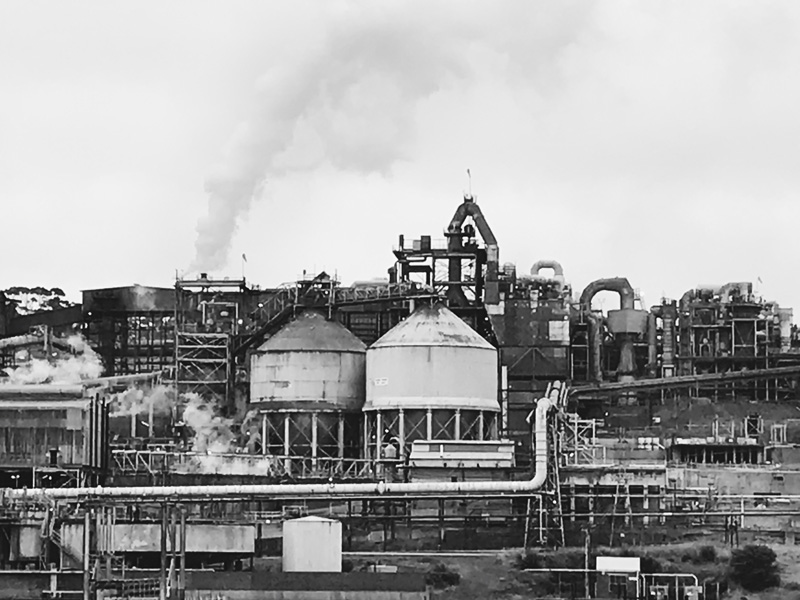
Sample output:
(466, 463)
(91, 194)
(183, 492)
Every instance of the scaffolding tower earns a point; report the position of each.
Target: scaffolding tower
(206, 323)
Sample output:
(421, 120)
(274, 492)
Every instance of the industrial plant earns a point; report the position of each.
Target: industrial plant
(160, 442)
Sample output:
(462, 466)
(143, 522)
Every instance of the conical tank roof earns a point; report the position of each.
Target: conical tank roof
(432, 326)
(311, 332)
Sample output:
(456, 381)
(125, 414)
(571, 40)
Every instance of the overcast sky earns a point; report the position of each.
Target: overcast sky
(654, 140)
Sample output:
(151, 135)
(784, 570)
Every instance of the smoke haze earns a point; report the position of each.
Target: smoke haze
(83, 364)
(212, 433)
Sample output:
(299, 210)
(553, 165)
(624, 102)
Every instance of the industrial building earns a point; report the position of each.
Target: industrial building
(461, 403)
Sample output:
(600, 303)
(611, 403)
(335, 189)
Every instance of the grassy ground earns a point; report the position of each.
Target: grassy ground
(498, 577)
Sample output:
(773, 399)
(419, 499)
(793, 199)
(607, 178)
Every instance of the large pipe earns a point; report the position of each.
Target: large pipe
(20, 340)
(652, 345)
(41, 389)
(595, 345)
(614, 284)
(558, 270)
(543, 406)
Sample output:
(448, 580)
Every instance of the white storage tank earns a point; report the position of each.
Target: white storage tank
(431, 377)
(308, 383)
(312, 545)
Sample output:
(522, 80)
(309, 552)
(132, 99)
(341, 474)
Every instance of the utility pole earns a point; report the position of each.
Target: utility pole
(587, 540)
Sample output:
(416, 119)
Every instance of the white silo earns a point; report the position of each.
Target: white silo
(307, 381)
(432, 377)
(312, 545)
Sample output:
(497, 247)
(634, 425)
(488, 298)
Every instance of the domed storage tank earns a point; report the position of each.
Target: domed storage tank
(307, 381)
(431, 377)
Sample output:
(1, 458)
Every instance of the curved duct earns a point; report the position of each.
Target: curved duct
(614, 284)
(558, 273)
(558, 270)
(626, 301)
(469, 208)
(543, 406)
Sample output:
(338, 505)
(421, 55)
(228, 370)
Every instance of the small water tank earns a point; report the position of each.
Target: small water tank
(311, 363)
(312, 545)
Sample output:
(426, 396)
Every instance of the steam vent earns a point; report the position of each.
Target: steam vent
(307, 381)
(432, 377)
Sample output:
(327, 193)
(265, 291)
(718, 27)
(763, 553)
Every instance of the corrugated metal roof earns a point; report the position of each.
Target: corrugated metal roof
(433, 326)
(311, 332)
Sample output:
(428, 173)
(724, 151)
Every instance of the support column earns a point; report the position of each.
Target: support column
(340, 435)
(572, 502)
(87, 553)
(264, 434)
(458, 424)
(162, 576)
(182, 572)
(429, 424)
(503, 401)
(401, 430)
(480, 425)
(646, 505)
(314, 437)
(628, 503)
(365, 442)
(378, 434)
(286, 425)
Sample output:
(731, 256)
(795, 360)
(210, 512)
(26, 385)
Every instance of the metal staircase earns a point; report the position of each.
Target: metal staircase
(274, 312)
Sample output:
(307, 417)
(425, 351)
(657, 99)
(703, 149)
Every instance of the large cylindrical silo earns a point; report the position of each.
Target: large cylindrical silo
(431, 377)
(307, 382)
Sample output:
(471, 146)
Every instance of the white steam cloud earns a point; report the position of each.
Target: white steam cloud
(160, 400)
(349, 101)
(212, 432)
(82, 364)
(213, 443)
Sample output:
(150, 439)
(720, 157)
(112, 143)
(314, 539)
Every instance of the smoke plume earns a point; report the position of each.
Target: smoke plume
(145, 298)
(137, 401)
(83, 363)
(349, 102)
(212, 433)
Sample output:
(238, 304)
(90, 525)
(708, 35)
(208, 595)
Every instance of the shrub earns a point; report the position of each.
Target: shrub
(441, 577)
(754, 568)
(707, 554)
(792, 586)
(529, 560)
(347, 565)
(650, 564)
